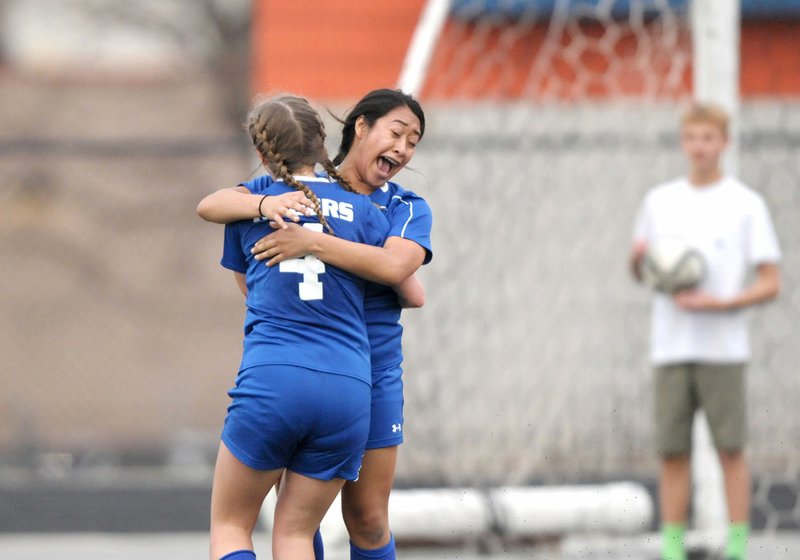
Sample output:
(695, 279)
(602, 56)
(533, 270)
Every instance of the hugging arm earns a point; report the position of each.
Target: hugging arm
(391, 264)
(230, 205)
(411, 292)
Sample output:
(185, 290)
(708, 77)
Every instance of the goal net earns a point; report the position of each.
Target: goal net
(548, 122)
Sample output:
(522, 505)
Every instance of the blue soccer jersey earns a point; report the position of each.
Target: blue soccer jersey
(409, 217)
(304, 312)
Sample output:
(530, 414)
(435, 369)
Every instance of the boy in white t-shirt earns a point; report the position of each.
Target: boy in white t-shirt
(699, 345)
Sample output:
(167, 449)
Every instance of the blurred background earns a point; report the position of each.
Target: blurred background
(547, 122)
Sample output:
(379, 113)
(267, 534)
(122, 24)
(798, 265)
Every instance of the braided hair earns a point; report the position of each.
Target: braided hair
(329, 166)
(288, 133)
(333, 173)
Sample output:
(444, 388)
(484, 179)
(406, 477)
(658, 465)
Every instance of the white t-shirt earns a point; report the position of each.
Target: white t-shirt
(730, 225)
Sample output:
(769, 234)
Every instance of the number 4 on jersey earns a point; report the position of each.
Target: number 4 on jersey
(310, 267)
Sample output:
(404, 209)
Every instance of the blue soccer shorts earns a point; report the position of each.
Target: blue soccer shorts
(386, 420)
(310, 422)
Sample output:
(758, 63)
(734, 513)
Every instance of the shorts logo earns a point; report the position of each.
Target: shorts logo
(397, 428)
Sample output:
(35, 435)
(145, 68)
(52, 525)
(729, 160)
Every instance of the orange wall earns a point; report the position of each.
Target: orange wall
(771, 58)
(331, 49)
(348, 47)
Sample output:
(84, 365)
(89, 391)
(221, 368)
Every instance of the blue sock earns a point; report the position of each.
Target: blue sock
(240, 555)
(384, 553)
(319, 550)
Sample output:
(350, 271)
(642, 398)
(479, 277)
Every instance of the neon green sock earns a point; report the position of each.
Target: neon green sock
(737, 541)
(672, 541)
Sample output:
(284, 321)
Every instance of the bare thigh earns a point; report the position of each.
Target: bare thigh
(236, 497)
(365, 502)
(302, 503)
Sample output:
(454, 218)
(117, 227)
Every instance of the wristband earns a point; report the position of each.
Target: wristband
(260, 202)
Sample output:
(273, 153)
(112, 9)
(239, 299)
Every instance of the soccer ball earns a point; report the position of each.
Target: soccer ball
(670, 265)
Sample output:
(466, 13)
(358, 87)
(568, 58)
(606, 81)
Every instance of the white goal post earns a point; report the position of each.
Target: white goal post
(715, 78)
(423, 43)
(715, 53)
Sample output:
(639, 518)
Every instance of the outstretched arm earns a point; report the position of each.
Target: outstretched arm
(391, 264)
(230, 205)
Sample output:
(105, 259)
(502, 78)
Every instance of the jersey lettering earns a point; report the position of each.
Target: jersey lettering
(336, 209)
(346, 211)
(330, 208)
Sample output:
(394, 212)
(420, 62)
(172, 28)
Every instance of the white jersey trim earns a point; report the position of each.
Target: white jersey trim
(410, 214)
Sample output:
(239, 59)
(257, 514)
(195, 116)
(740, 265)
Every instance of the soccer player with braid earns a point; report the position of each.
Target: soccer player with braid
(379, 137)
(300, 405)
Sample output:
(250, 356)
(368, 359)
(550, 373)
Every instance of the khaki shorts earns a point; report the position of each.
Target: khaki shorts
(718, 389)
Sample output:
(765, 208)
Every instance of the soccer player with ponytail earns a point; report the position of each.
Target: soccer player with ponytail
(379, 138)
(300, 406)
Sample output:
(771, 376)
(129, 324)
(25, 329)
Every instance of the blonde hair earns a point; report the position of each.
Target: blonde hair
(710, 113)
(288, 134)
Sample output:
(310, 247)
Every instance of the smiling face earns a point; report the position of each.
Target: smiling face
(381, 150)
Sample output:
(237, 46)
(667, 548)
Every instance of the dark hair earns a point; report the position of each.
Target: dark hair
(373, 106)
(288, 133)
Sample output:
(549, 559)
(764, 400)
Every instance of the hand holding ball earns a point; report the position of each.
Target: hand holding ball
(669, 265)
